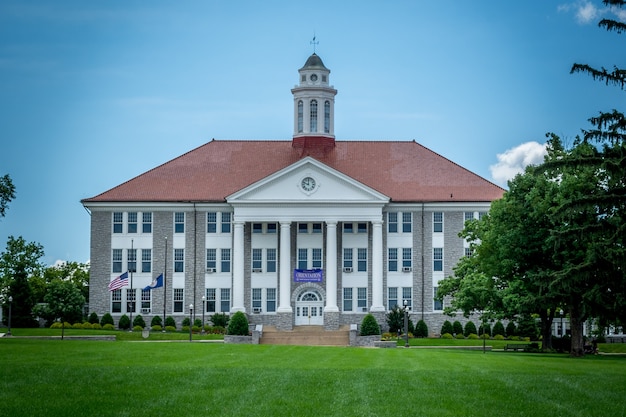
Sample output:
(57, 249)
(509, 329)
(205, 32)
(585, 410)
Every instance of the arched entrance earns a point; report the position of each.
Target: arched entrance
(309, 308)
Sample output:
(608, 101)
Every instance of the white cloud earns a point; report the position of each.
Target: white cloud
(586, 12)
(514, 160)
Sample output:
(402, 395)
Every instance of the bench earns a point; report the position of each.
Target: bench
(516, 346)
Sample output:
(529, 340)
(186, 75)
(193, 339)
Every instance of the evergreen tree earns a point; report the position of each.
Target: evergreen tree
(107, 318)
(447, 327)
(498, 328)
(457, 327)
(238, 324)
(369, 326)
(470, 328)
(421, 329)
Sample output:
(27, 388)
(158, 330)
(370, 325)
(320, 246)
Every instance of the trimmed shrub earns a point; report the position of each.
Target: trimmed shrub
(170, 329)
(87, 325)
(369, 326)
(156, 328)
(56, 325)
(421, 329)
(170, 322)
(137, 328)
(186, 322)
(195, 329)
(487, 330)
(156, 321)
(69, 326)
(219, 319)
(107, 318)
(498, 337)
(484, 336)
(93, 318)
(124, 323)
(447, 336)
(510, 329)
(469, 328)
(457, 327)
(218, 330)
(108, 326)
(96, 326)
(238, 325)
(460, 336)
(498, 329)
(472, 336)
(197, 323)
(447, 328)
(138, 321)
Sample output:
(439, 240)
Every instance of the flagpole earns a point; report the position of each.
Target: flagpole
(132, 290)
(165, 284)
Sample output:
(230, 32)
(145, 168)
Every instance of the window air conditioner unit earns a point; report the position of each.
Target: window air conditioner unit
(256, 310)
(364, 309)
(210, 270)
(347, 269)
(406, 269)
(145, 311)
(257, 269)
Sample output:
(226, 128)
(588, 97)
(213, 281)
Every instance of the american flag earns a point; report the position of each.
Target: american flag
(119, 282)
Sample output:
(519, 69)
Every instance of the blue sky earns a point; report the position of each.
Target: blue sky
(95, 93)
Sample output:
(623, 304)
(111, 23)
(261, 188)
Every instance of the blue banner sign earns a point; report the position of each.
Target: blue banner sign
(308, 275)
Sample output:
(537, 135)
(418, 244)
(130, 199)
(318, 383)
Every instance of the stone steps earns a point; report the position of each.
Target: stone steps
(305, 336)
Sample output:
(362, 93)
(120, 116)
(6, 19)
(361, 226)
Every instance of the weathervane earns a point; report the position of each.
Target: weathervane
(314, 42)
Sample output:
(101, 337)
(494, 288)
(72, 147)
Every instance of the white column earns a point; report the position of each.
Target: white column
(331, 267)
(377, 266)
(284, 305)
(238, 264)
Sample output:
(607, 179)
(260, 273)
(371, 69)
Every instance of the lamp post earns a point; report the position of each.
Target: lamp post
(203, 309)
(10, 305)
(190, 323)
(406, 323)
(561, 331)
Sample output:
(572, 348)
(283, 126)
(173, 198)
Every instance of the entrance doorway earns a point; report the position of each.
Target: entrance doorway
(309, 309)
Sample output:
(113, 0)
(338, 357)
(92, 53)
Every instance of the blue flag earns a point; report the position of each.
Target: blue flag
(158, 282)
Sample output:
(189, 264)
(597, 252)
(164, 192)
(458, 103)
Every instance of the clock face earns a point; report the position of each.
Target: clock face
(314, 77)
(308, 184)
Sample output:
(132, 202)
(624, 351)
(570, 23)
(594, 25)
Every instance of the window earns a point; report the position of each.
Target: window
(407, 295)
(271, 300)
(303, 258)
(117, 261)
(225, 260)
(437, 222)
(347, 299)
(146, 223)
(347, 257)
(118, 222)
(211, 260)
(348, 228)
(257, 228)
(132, 222)
(437, 259)
(303, 228)
(392, 300)
(317, 258)
(468, 252)
(313, 116)
(257, 260)
(225, 222)
(406, 258)
(438, 304)
(481, 214)
(132, 260)
(317, 227)
(211, 222)
(145, 300)
(468, 215)
(146, 260)
(179, 222)
(271, 228)
(179, 260)
(392, 222)
(257, 302)
(210, 300)
(327, 116)
(393, 259)
(407, 220)
(130, 300)
(271, 260)
(178, 299)
(361, 227)
(116, 301)
(362, 259)
(300, 114)
(225, 300)
(361, 298)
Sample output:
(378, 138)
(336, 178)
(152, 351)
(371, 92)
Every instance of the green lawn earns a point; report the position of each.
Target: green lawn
(88, 378)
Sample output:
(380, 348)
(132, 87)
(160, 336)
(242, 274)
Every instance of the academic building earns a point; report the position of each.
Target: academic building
(306, 231)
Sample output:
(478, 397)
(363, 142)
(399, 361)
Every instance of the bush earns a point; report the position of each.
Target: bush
(69, 326)
(108, 326)
(170, 329)
(156, 321)
(218, 330)
(395, 320)
(137, 328)
(96, 326)
(498, 329)
(195, 329)
(447, 328)
(138, 321)
(238, 324)
(510, 329)
(472, 336)
(156, 328)
(197, 323)
(186, 322)
(457, 327)
(487, 330)
(470, 328)
(124, 323)
(185, 329)
(107, 318)
(369, 326)
(484, 336)
(87, 325)
(460, 336)
(219, 319)
(56, 325)
(527, 327)
(93, 318)
(421, 329)
(447, 335)
(170, 322)
(498, 337)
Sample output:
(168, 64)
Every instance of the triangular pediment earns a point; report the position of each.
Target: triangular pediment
(307, 180)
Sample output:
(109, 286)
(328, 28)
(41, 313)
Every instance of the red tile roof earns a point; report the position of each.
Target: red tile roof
(404, 171)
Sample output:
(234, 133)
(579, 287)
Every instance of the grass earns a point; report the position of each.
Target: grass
(72, 378)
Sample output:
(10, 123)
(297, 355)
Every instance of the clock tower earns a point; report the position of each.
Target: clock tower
(314, 103)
